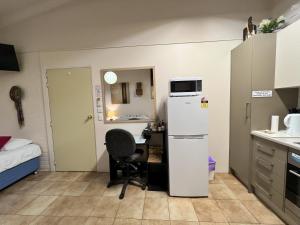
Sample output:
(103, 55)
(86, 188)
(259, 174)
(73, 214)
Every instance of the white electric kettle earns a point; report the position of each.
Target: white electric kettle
(292, 122)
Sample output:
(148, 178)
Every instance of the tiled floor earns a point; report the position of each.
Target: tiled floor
(71, 198)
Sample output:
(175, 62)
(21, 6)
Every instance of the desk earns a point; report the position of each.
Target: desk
(139, 140)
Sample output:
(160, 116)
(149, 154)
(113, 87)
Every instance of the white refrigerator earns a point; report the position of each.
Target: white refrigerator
(188, 146)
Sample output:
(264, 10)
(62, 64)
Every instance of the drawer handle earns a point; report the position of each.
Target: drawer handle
(294, 173)
(270, 153)
(264, 178)
(266, 165)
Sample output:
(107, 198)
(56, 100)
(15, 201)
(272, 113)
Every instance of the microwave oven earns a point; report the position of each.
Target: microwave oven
(185, 87)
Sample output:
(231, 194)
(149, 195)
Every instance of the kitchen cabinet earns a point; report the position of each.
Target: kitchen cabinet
(269, 168)
(268, 171)
(253, 69)
(287, 57)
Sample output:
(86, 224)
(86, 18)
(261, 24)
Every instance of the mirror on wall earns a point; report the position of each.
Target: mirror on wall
(128, 95)
(120, 93)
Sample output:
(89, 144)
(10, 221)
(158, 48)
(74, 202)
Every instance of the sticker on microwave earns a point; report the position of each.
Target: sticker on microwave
(204, 103)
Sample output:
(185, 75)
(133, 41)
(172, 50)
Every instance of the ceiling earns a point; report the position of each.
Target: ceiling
(12, 11)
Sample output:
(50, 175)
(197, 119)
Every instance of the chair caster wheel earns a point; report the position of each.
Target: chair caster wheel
(144, 187)
(121, 196)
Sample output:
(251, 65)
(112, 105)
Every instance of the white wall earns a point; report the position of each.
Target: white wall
(30, 80)
(178, 38)
(169, 61)
(138, 105)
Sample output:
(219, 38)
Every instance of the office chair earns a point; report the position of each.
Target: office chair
(121, 146)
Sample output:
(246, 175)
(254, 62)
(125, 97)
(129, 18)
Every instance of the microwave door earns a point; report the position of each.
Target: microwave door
(183, 86)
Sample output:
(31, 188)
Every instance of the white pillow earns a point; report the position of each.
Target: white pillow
(15, 143)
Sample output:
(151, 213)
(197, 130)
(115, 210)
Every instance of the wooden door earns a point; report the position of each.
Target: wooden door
(71, 107)
(240, 110)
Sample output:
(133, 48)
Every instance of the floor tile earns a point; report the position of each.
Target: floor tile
(41, 175)
(40, 187)
(57, 188)
(76, 188)
(134, 191)
(94, 189)
(11, 203)
(21, 186)
(240, 191)
(37, 206)
(127, 222)
(182, 209)
(89, 202)
(71, 206)
(46, 220)
(261, 213)
(235, 212)
(216, 180)
(15, 219)
(99, 221)
(156, 209)
(73, 220)
(113, 191)
(212, 223)
(183, 223)
(208, 211)
(156, 222)
(131, 207)
(221, 191)
(106, 207)
(156, 194)
(93, 176)
(225, 176)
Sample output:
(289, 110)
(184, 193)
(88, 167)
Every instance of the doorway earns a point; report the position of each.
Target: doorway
(72, 119)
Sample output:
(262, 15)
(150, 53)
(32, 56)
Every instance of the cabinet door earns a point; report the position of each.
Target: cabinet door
(263, 70)
(240, 108)
(287, 57)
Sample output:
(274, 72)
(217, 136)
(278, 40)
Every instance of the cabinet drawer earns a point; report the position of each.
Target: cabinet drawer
(269, 182)
(272, 195)
(270, 150)
(292, 216)
(270, 167)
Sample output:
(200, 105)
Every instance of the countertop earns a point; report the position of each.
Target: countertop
(279, 138)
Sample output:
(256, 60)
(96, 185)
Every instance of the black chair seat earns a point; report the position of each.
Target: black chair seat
(122, 148)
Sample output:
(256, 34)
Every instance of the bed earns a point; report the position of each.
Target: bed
(18, 163)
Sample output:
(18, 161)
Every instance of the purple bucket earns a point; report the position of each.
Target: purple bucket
(211, 164)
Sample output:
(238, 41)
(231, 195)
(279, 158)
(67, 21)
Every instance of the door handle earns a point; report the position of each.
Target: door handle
(294, 173)
(89, 117)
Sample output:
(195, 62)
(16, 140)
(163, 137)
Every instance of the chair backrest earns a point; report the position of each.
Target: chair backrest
(119, 143)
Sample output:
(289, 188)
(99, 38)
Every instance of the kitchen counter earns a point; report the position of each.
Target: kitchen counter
(279, 138)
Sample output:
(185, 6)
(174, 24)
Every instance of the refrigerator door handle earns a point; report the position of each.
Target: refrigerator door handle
(189, 136)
